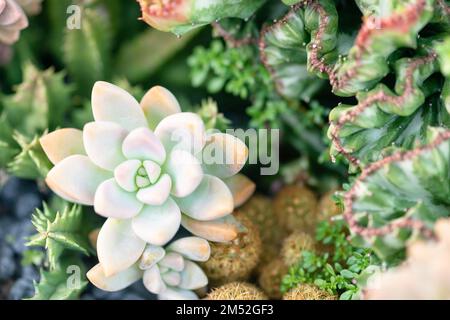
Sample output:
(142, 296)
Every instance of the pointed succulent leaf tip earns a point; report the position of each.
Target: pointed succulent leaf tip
(158, 224)
(153, 281)
(125, 174)
(118, 247)
(103, 143)
(157, 104)
(185, 171)
(76, 179)
(113, 201)
(172, 293)
(192, 277)
(12, 21)
(116, 282)
(241, 187)
(193, 248)
(143, 144)
(173, 261)
(62, 143)
(224, 155)
(220, 230)
(113, 104)
(184, 131)
(156, 194)
(151, 256)
(211, 200)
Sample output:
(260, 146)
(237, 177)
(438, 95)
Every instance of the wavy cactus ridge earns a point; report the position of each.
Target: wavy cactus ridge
(376, 40)
(366, 62)
(283, 46)
(387, 177)
(409, 97)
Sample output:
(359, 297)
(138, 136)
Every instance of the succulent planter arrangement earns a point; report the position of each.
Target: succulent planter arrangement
(110, 111)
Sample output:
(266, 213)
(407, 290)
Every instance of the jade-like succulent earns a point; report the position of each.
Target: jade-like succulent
(180, 16)
(12, 21)
(146, 167)
(428, 263)
(168, 272)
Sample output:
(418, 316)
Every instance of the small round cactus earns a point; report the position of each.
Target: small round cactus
(259, 210)
(327, 207)
(271, 276)
(237, 291)
(307, 292)
(294, 245)
(296, 208)
(235, 260)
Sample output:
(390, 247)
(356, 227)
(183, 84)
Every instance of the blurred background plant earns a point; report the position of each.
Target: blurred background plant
(345, 94)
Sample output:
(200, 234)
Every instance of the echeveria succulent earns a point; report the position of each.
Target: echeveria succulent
(180, 16)
(12, 21)
(168, 272)
(144, 167)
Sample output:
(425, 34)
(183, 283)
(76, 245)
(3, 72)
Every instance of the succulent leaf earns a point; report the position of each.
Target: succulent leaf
(181, 16)
(60, 231)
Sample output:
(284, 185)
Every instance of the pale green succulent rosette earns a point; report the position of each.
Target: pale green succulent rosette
(141, 165)
(399, 198)
(181, 16)
(169, 272)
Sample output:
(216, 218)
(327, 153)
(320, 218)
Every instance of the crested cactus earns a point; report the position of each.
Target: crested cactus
(399, 198)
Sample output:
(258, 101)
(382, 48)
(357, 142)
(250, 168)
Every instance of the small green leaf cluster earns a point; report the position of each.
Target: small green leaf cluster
(237, 71)
(337, 268)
